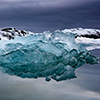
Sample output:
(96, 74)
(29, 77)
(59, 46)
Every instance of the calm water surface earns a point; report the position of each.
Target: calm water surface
(85, 87)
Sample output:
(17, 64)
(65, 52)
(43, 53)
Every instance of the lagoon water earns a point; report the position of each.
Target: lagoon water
(85, 87)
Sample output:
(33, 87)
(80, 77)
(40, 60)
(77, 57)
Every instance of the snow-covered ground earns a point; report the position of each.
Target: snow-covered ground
(89, 38)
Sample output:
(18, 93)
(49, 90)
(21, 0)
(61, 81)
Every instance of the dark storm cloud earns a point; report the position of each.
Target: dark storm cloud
(45, 15)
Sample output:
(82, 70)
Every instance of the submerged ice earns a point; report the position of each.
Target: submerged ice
(49, 55)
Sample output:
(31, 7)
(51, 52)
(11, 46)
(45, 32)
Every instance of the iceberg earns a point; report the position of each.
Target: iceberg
(46, 55)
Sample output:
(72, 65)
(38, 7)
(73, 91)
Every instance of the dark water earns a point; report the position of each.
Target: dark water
(85, 87)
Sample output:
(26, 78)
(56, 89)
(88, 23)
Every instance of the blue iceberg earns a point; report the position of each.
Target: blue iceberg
(48, 55)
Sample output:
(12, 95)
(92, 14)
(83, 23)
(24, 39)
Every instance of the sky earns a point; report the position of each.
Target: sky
(43, 15)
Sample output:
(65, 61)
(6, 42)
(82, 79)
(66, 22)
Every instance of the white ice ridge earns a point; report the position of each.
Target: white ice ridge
(89, 38)
(89, 33)
(48, 55)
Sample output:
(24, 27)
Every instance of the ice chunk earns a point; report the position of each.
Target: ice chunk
(50, 55)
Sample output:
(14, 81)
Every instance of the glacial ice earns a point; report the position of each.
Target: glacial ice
(48, 55)
(89, 38)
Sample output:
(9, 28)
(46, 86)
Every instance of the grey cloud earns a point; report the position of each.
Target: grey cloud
(39, 19)
(41, 3)
(55, 19)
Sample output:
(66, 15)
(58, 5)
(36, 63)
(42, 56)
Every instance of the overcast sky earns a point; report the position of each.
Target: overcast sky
(41, 15)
